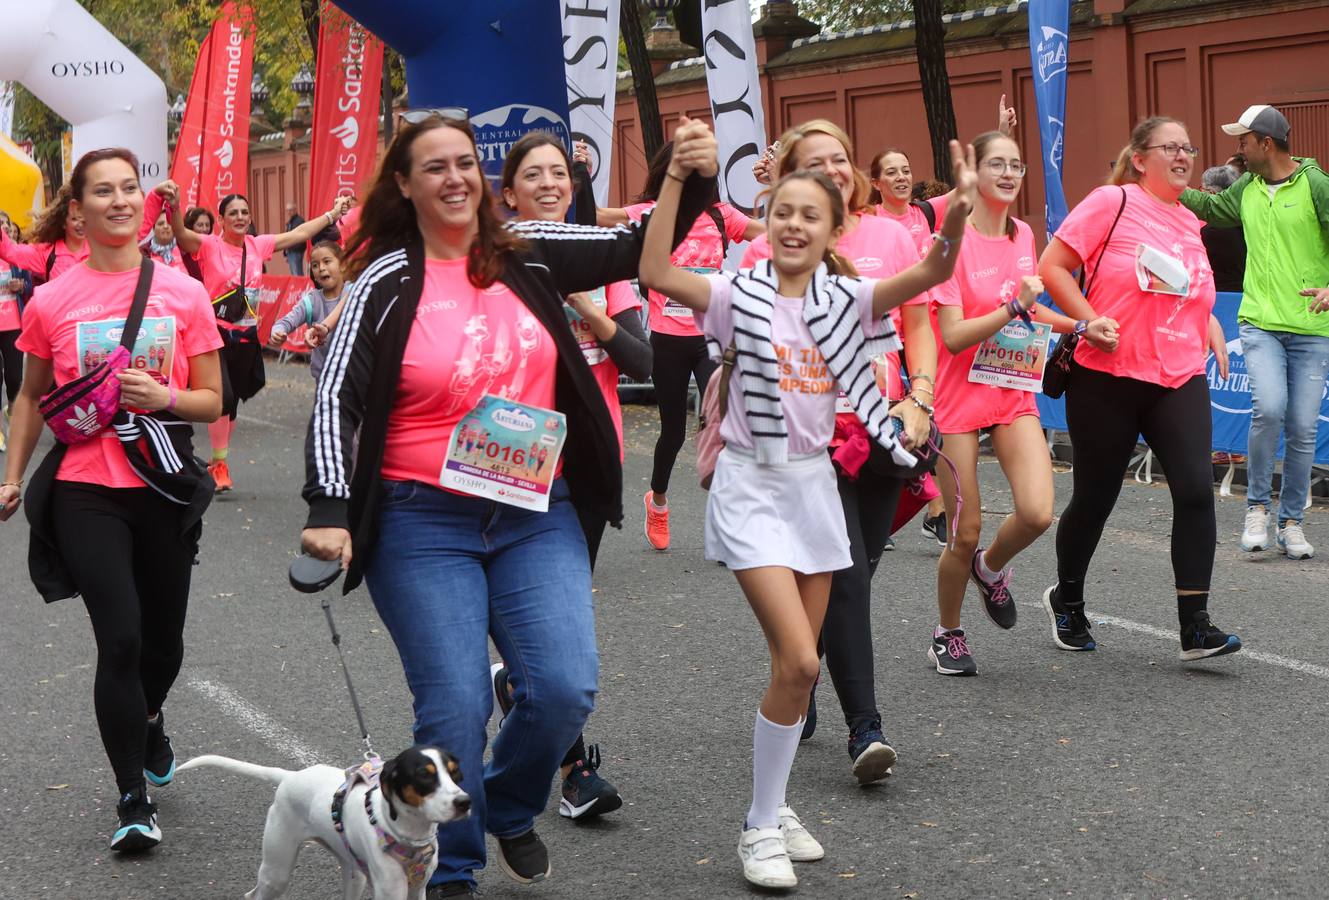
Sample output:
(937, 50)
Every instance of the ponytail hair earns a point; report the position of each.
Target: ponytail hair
(835, 263)
(1124, 171)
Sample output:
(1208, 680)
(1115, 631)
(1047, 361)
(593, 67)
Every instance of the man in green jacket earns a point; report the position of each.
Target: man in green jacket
(1282, 202)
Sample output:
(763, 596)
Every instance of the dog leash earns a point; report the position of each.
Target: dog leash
(309, 575)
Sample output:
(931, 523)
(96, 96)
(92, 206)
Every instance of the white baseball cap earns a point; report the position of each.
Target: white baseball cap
(1262, 119)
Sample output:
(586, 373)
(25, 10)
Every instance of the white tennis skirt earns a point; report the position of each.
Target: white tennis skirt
(776, 515)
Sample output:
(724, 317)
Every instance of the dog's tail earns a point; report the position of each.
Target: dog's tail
(269, 774)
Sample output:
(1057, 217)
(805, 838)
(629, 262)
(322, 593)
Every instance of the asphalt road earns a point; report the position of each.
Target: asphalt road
(1120, 773)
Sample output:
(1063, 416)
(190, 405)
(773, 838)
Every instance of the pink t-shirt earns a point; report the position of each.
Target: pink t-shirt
(612, 300)
(987, 275)
(808, 389)
(34, 257)
(701, 249)
(916, 223)
(1163, 334)
(220, 265)
(878, 248)
(8, 302)
(466, 342)
(76, 320)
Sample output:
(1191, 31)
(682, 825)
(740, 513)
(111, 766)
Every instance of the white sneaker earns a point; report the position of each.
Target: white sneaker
(765, 859)
(798, 843)
(1255, 536)
(1292, 541)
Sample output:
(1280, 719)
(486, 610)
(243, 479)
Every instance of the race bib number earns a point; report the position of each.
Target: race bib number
(153, 350)
(1013, 357)
(675, 310)
(581, 329)
(251, 307)
(505, 451)
(1161, 273)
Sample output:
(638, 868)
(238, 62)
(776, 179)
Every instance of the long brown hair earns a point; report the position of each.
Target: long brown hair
(982, 144)
(1124, 171)
(388, 221)
(789, 141)
(874, 195)
(835, 263)
(49, 226)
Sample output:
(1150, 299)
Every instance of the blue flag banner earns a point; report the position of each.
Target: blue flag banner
(1049, 25)
(501, 60)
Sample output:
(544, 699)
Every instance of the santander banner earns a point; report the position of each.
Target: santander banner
(184, 167)
(346, 109)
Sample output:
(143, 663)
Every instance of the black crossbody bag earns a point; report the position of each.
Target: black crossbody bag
(231, 306)
(1058, 372)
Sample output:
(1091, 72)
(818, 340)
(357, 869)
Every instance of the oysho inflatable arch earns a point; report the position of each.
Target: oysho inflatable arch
(57, 50)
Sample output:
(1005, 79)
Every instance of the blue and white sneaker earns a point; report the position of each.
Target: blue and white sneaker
(585, 794)
(1070, 626)
(1201, 639)
(158, 755)
(872, 757)
(138, 829)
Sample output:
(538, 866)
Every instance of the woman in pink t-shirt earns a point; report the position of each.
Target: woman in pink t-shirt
(55, 243)
(678, 350)
(1148, 273)
(222, 258)
(801, 329)
(606, 322)
(15, 288)
(124, 541)
(878, 248)
(994, 285)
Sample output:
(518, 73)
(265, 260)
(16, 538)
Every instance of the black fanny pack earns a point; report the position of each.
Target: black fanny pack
(232, 305)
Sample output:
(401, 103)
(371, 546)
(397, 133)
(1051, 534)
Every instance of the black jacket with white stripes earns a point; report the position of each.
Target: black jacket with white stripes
(358, 385)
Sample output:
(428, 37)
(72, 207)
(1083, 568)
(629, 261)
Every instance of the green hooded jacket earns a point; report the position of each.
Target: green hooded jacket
(1287, 244)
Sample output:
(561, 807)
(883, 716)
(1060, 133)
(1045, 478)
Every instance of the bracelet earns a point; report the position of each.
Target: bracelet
(17, 484)
(171, 405)
(331, 219)
(669, 174)
(945, 242)
(929, 391)
(927, 408)
(1016, 311)
(923, 375)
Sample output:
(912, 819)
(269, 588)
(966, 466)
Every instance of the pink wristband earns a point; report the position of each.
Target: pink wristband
(171, 405)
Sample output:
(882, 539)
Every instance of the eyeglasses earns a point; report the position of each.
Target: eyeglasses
(453, 113)
(1002, 166)
(1172, 149)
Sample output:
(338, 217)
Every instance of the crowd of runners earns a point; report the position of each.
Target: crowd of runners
(466, 427)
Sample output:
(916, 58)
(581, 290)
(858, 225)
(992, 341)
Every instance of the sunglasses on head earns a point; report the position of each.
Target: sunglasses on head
(447, 113)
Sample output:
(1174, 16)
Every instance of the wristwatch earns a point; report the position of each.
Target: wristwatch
(1081, 326)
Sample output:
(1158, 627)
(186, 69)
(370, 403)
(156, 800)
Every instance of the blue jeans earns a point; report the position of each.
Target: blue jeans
(448, 573)
(1287, 386)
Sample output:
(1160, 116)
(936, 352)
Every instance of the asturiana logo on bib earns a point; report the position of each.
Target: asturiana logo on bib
(514, 420)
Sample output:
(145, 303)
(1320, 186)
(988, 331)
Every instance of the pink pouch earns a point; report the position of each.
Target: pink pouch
(81, 409)
(709, 442)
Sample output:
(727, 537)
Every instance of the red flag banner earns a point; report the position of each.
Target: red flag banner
(224, 155)
(346, 109)
(277, 295)
(184, 167)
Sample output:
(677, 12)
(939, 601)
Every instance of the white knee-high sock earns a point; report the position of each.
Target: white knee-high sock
(773, 750)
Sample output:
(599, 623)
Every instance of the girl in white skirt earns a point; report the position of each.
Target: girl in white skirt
(804, 329)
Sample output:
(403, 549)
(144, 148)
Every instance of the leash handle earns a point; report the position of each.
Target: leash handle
(370, 753)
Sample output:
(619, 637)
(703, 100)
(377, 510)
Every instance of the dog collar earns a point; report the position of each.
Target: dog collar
(414, 859)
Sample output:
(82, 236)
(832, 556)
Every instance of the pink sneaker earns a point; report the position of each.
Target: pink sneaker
(657, 524)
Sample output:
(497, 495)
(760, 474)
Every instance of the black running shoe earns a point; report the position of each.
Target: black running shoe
(998, 602)
(950, 654)
(871, 755)
(585, 794)
(138, 829)
(935, 527)
(525, 857)
(158, 755)
(451, 889)
(1070, 626)
(1201, 639)
(890, 545)
(810, 724)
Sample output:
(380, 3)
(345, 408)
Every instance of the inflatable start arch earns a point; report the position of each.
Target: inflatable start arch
(57, 50)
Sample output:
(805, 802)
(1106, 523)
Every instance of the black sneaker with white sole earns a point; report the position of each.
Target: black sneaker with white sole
(585, 794)
(1201, 639)
(935, 528)
(1070, 626)
(138, 829)
(870, 754)
(525, 857)
(158, 755)
(950, 653)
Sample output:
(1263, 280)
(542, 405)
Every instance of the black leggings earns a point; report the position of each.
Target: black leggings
(1105, 415)
(676, 359)
(11, 364)
(125, 552)
(846, 634)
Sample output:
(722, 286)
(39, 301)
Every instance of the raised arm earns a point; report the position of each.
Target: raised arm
(187, 239)
(303, 234)
(26, 256)
(939, 264)
(657, 270)
(152, 208)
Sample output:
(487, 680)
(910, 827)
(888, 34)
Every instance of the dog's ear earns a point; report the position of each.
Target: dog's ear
(387, 781)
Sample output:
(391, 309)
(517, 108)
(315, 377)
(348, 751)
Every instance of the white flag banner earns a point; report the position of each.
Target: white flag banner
(590, 56)
(731, 78)
(7, 109)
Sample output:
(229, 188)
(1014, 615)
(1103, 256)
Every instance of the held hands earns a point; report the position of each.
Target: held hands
(339, 208)
(1006, 120)
(327, 543)
(169, 191)
(581, 153)
(1320, 301)
(141, 391)
(764, 169)
(917, 425)
(14, 285)
(10, 498)
(1031, 288)
(695, 150)
(315, 335)
(278, 338)
(1102, 334)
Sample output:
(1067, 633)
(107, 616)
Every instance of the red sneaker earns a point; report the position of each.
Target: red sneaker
(657, 524)
(221, 474)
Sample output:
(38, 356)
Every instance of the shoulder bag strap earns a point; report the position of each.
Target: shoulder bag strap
(727, 360)
(718, 219)
(135, 319)
(928, 213)
(1083, 287)
(50, 262)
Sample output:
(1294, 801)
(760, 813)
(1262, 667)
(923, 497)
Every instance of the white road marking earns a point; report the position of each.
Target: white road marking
(273, 733)
(1273, 659)
(246, 417)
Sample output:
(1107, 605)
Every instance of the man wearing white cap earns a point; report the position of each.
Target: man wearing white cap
(1282, 202)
